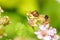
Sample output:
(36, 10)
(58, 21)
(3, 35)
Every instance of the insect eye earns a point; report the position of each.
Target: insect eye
(46, 16)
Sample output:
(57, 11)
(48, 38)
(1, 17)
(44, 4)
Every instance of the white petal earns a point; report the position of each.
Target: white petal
(27, 18)
(37, 33)
(54, 30)
(47, 25)
(42, 27)
(39, 36)
(47, 38)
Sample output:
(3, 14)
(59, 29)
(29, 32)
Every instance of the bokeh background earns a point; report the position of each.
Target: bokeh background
(17, 9)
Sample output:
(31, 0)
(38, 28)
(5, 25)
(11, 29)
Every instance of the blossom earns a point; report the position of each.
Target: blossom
(46, 33)
(52, 31)
(44, 27)
(47, 37)
(39, 36)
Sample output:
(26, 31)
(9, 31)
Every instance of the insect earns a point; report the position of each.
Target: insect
(44, 19)
(31, 17)
(34, 17)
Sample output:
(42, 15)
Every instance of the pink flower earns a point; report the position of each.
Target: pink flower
(47, 37)
(46, 33)
(52, 31)
(44, 27)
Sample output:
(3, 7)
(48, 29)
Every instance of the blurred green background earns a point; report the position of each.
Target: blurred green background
(17, 9)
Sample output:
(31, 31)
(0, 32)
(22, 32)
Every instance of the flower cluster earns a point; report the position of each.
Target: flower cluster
(3, 22)
(46, 33)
